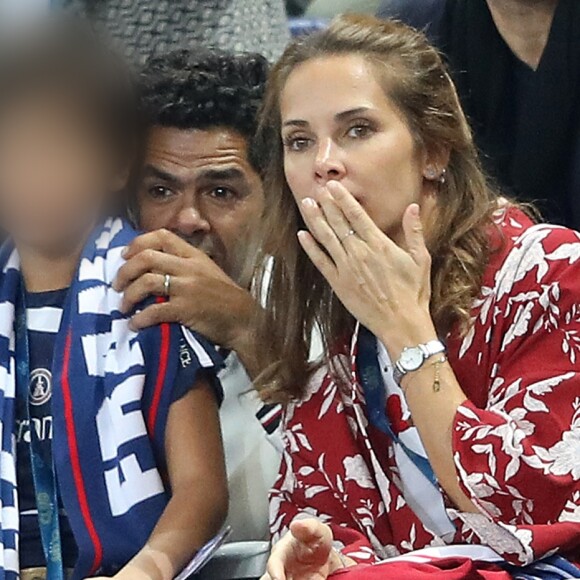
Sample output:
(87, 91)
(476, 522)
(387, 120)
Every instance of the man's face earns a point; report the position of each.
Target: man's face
(200, 185)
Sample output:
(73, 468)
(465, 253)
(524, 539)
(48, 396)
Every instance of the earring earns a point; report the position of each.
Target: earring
(431, 173)
(443, 177)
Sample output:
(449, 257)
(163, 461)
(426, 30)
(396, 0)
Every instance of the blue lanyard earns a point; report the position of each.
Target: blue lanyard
(43, 474)
(371, 379)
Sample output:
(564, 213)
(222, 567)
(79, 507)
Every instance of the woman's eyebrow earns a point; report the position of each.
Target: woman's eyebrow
(351, 113)
(338, 117)
(295, 123)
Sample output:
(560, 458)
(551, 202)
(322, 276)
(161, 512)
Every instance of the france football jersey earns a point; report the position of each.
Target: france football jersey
(44, 312)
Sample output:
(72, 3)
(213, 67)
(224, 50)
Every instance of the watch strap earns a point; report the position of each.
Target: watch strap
(432, 348)
(428, 349)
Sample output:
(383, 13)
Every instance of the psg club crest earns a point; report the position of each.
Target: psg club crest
(40, 387)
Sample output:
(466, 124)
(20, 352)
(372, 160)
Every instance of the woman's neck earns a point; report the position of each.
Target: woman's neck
(525, 26)
(44, 271)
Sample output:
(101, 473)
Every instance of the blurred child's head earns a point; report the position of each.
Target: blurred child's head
(68, 133)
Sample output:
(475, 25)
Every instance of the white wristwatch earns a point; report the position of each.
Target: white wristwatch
(414, 357)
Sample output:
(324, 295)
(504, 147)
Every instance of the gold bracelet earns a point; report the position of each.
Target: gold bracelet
(436, 379)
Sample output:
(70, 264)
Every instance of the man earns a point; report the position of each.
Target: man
(516, 64)
(200, 195)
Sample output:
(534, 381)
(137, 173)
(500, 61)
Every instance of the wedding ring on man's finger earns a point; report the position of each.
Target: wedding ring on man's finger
(166, 285)
(347, 235)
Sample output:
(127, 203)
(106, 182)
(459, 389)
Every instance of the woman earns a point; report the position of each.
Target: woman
(111, 461)
(446, 414)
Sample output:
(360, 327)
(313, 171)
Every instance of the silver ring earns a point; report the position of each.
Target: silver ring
(348, 234)
(166, 285)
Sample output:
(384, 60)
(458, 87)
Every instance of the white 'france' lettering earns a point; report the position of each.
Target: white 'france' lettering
(127, 484)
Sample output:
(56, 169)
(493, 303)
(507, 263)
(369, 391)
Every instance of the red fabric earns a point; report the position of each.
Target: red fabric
(445, 569)
(516, 441)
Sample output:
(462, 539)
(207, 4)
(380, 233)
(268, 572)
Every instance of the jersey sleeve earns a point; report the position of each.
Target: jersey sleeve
(172, 368)
(197, 357)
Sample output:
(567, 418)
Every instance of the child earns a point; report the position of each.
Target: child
(112, 461)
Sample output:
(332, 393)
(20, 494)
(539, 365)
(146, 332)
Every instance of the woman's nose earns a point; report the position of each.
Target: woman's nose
(328, 163)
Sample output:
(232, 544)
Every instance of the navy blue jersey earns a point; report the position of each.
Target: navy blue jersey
(44, 313)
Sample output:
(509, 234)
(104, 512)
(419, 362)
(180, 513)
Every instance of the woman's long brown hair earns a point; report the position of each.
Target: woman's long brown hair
(297, 297)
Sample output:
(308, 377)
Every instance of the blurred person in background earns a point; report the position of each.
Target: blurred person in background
(200, 195)
(145, 27)
(446, 412)
(327, 9)
(112, 461)
(15, 10)
(516, 64)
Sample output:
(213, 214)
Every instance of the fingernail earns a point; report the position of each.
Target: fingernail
(415, 209)
(309, 202)
(125, 252)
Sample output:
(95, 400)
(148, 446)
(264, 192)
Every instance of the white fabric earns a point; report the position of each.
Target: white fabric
(425, 500)
(252, 456)
(45, 319)
(473, 552)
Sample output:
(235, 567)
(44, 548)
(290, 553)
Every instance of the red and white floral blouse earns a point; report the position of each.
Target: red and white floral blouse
(516, 441)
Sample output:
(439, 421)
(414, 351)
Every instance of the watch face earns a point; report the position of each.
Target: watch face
(412, 358)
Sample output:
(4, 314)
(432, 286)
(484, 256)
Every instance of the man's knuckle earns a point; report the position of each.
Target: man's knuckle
(164, 236)
(151, 282)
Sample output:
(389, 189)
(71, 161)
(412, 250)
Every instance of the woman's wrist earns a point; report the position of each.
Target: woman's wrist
(418, 328)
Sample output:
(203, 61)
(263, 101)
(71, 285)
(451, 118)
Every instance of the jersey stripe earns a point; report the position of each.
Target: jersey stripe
(160, 380)
(75, 459)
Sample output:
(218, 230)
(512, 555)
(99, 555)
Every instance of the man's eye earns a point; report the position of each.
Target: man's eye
(160, 192)
(359, 131)
(222, 194)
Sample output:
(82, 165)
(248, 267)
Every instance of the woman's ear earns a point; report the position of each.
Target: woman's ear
(434, 164)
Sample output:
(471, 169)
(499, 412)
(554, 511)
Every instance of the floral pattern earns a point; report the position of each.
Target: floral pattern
(516, 441)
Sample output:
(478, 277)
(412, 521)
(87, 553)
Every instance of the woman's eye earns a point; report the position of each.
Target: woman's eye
(359, 131)
(296, 143)
(160, 192)
(222, 194)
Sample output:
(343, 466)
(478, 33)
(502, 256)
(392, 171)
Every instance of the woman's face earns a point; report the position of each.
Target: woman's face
(338, 124)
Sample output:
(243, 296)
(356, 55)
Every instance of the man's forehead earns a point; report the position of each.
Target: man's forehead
(185, 151)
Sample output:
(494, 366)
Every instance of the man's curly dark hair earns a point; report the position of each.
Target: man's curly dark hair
(203, 88)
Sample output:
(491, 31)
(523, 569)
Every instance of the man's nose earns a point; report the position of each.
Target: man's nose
(328, 163)
(191, 221)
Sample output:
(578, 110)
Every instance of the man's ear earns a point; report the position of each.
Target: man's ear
(435, 162)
